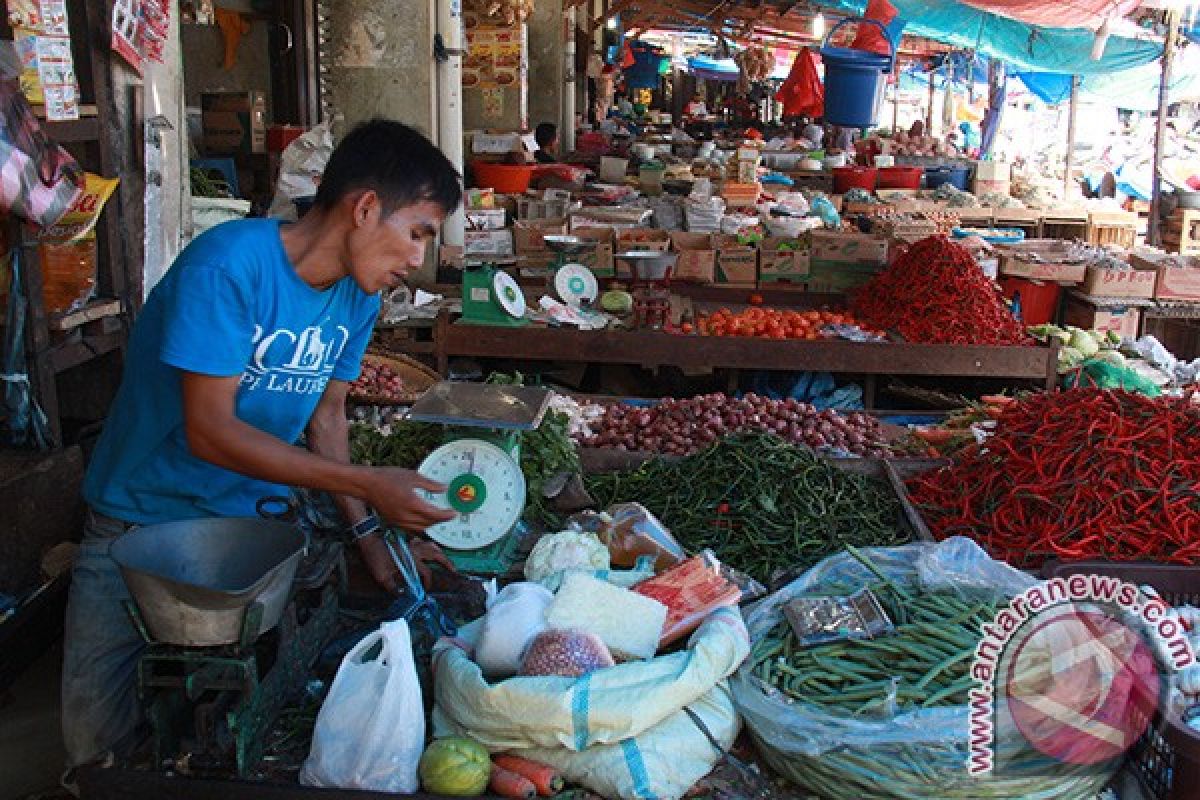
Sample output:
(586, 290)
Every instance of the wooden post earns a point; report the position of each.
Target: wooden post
(929, 110)
(1072, 114)
(896, 106)
(1160, 130)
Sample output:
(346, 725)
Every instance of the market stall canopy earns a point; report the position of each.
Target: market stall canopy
(1024, 46)
(1134, 89)
(713, 69)
(1075, 14)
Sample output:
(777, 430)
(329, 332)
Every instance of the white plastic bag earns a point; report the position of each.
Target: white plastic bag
(514, 617)
(300, 169)
(371, 730)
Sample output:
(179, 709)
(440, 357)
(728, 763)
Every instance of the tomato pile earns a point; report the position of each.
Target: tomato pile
(773, 323)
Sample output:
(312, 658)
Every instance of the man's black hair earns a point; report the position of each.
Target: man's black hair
(545, 134)
(397, 162)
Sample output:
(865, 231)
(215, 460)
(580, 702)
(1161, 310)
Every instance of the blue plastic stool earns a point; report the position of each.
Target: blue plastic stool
(225, 166)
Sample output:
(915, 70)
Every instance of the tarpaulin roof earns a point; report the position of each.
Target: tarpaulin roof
(1134, 89)
(712, 69)
(1028, 47)
(1075, 14)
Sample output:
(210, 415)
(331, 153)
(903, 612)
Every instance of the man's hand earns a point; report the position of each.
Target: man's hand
(425, 553)
(392, 493)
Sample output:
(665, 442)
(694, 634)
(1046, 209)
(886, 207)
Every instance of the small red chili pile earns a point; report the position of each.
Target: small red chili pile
(1079, 474)
(935, 293)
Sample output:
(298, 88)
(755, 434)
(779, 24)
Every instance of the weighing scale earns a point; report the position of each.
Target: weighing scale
(574, 283)
(481, 468)
(651, 278)
(491, 296)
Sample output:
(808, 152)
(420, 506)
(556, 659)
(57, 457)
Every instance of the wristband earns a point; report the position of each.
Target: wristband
(365, 527)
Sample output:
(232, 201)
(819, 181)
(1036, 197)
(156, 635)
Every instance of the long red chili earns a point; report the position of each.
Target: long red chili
(1084, 473)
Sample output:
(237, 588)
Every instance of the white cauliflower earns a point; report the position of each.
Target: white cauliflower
(556, 552)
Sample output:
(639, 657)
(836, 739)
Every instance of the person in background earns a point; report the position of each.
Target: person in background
(842, 139)
(696, 109)
(546, 136)
(624, 107)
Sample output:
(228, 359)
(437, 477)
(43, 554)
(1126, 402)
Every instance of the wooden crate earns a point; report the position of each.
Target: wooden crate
(1113, 227)
(1181, 234)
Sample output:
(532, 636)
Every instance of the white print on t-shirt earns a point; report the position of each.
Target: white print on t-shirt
(299, 364)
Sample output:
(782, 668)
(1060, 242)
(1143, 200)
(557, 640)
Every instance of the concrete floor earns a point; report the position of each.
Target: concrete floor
(31, 748)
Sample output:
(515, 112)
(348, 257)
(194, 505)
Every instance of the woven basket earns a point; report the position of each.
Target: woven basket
(416, 376)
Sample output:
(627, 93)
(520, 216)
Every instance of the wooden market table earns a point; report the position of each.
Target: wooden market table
(657, 349)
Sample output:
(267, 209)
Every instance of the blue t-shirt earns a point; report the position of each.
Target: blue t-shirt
(231, 304)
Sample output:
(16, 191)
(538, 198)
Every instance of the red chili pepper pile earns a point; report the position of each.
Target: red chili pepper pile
(935, 293)
(1079, 474)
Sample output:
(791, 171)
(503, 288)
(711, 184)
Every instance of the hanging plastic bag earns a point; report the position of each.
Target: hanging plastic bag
(26, 423)
(802, 94)
(42, 180)
(870, 38)
(371, 730)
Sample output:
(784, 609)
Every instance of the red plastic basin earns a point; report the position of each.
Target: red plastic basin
(847, 178)
(504, 178)
(900, 177)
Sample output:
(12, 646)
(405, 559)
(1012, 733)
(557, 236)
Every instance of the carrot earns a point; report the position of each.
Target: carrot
(511, 785)
(997, 400)
(545, 778)
(936, 435)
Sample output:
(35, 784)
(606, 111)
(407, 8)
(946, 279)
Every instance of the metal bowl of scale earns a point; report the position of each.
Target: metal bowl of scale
(649, 265)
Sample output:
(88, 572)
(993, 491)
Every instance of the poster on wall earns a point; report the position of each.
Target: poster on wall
(42, 38)
(139, 30)
(493, 60)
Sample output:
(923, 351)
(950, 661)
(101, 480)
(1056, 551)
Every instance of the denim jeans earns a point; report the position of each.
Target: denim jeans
(100, 709)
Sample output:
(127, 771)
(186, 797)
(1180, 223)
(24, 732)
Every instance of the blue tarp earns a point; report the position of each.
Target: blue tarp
(1134, 89)
(713, 69)
(1023, 46)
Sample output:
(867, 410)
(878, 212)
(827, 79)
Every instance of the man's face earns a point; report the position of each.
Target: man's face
(385, 249)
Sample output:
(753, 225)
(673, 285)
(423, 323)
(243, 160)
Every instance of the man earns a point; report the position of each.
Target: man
(249, 341)
(546, 136)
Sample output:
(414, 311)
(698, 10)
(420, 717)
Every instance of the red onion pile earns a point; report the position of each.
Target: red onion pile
(681, 427)
(379, 381)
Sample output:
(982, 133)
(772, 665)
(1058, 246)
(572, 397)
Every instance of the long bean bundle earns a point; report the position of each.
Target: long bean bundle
(759, 503)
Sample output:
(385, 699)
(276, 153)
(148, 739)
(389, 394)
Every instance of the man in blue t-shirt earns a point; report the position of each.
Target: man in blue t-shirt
(249, 341)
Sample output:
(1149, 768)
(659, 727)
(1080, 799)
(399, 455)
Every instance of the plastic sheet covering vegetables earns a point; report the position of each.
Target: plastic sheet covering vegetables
(27, 424)
(833, 728)
(1078, 474)
(935, 293)
(760, 504)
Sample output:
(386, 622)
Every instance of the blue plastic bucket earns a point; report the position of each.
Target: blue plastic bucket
(854, 82)
(958, 176)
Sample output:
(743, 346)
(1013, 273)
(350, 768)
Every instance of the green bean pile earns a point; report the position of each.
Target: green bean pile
(926, 662)
(847, 694)
(761, 504)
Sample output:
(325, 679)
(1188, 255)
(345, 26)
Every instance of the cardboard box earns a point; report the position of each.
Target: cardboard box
(599, 259)
(1177, 283)
(1102, 282)
(787, 265)
(490, 219)
(643, 239)
(737, 263)
(837, 247)
(488, 243)
(234, 122)
(697, 257)
(993, 171)
(1120, 319)
(528, 234)
(982, 187)
(834, 278)
(1042, 260)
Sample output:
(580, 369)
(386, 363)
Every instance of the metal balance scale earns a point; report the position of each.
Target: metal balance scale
(480, 464)
(574, 283)
(234, 613)
(491, 296)
(650, 286)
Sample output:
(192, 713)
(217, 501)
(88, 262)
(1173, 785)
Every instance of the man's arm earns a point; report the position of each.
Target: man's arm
(328, 435)
(215, 434)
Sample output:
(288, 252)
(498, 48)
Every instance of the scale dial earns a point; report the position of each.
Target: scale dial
(508, 295)
(485, 486)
